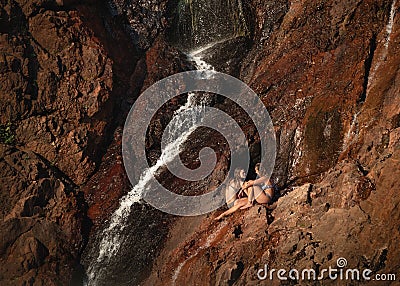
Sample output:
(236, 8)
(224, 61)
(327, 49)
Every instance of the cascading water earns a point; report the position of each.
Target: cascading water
(112, 236)
(201, 24)
(382, 57)
(352, 133)
(389, 26)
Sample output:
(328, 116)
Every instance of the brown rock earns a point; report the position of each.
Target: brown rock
(57, 89)
(41, 221)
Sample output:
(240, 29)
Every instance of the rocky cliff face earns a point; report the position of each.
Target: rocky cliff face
(328, 72)
(59, 92)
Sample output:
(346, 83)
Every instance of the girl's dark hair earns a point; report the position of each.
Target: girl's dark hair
(258, 166)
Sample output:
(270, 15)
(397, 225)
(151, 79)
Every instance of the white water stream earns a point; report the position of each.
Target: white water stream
(389, 26)
(382, 57)
(352, 133)
(111, 236)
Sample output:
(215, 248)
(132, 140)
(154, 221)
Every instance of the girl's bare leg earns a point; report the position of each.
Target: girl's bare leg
(250, 197)
(237, 205)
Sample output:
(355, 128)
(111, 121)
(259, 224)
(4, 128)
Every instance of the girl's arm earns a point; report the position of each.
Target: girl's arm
(259, 181)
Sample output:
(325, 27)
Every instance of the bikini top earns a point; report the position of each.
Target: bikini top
(265, 185)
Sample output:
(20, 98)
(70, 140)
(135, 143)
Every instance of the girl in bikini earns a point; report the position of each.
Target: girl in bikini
(232, 200)
(261, 189)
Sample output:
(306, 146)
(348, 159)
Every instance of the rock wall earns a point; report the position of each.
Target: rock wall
(328, 73)
(62, 80)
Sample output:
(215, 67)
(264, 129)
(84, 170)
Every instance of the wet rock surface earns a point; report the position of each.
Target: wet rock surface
(143, 20)
(227, 56)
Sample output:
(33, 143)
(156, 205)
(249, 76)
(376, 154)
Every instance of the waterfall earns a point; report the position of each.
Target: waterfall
(388, 33)
(352, 133)
(199, 23)
(112, 235)
(389, 26)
